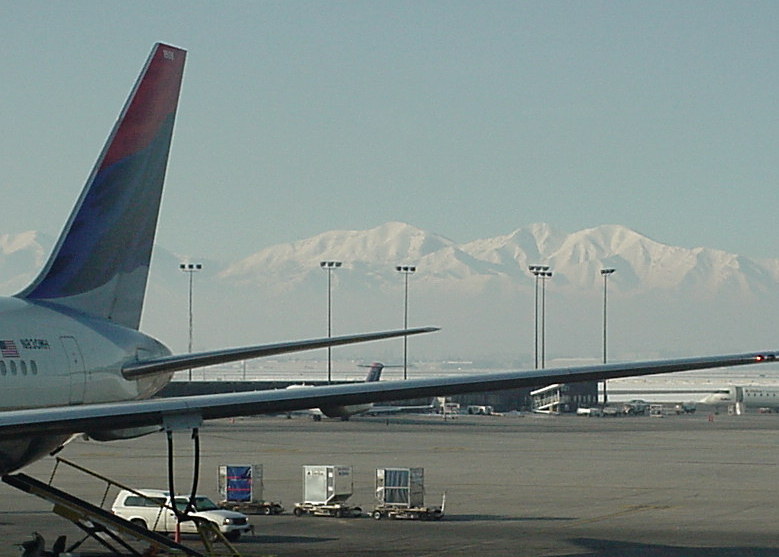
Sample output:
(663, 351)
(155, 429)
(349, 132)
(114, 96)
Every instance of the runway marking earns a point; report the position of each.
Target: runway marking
(624, 512)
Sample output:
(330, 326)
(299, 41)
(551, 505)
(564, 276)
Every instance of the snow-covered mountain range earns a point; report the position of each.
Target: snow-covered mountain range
(663, 300)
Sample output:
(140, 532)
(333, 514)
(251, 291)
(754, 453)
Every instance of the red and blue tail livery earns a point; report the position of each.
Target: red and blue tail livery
(100, 263)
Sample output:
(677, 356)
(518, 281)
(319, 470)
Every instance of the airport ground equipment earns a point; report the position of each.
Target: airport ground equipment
(326, 489)
(241, 489)
(97, 523)
(400, 494)
(657, 410)
(156, 510)
(685, 408)
(336, 510)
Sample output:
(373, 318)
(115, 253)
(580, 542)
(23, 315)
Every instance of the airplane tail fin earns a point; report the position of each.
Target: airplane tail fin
(100, 263)
(374, 374)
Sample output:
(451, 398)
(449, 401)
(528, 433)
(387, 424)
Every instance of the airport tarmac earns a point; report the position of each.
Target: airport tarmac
(526, 485)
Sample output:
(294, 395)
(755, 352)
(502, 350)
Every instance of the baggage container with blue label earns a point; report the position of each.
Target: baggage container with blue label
(241, 487)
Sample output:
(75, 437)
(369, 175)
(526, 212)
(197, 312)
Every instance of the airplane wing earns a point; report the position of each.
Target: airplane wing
(135, 370)
(186, 412)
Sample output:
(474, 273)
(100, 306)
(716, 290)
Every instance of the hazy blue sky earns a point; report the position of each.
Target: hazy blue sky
(469, 119)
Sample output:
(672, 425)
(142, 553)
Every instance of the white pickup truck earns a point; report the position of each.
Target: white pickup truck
(152, 509)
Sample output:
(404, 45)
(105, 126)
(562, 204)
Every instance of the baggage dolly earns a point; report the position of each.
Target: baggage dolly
(253, 507)
(406, 512)
(334, 510)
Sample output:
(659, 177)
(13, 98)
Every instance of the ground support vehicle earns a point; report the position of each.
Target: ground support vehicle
(253, 507)
(326, 487)
(685, 408)
(407, 513)
(657, 410)
(336, 510)
(400, 494)
(153, 509)
(636, 407)
(589, 411)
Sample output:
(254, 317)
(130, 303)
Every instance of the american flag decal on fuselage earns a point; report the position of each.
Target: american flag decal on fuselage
(8, 349)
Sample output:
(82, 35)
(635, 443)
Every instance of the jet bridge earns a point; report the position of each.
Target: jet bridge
(564, 397)
(547, 400)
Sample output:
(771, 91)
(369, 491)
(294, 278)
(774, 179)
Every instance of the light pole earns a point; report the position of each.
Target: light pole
(329, 266)
(544, 276)
(406, 270)
(537, 271)
(605, 273)
(191, 269)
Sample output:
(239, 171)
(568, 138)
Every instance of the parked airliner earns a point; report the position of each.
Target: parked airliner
(749, 397)
(74, 361)
(341, 411)
(347, 411)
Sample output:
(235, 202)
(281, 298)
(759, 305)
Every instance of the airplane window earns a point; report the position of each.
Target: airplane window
(23, 365)
(13, 367)
(33, 367)
(3, 369)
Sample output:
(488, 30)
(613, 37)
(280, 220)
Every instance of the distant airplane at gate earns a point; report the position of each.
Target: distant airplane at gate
(742, 397)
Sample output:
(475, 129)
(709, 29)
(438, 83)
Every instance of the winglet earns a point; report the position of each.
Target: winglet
(100, 263)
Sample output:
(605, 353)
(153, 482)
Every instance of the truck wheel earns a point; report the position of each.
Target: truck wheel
(339, 513)
(140, 523)
(298, 511)
(377, 515)
(266, 510)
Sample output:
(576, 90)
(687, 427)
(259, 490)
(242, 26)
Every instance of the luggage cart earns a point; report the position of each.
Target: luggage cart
(400, 494)
(241, 489)
(325, 491)
(408, 513)
(253, 507)
(336, 510)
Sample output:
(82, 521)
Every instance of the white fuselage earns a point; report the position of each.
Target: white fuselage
(750, 397)
(55, 357)
(340, 411)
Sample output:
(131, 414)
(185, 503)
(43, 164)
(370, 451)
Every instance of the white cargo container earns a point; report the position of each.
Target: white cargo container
(327, 484)
(400, 487)
(325, 491)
